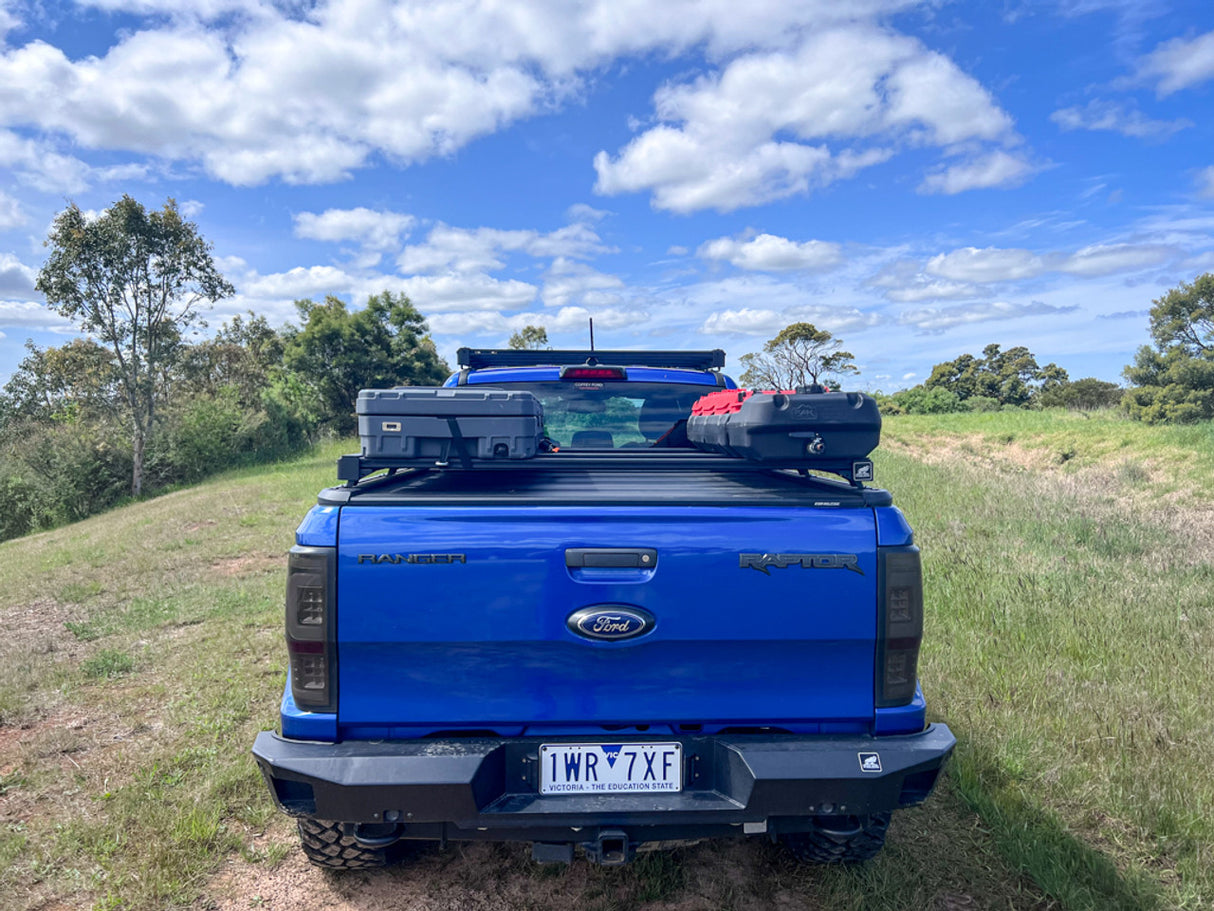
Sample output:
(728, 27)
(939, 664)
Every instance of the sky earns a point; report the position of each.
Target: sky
(920, 178)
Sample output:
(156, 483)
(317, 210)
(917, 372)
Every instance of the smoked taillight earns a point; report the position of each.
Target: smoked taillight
(899, 624)
(309, 621)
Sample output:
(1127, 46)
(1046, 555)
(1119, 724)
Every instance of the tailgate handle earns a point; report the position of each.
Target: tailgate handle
(611, 557)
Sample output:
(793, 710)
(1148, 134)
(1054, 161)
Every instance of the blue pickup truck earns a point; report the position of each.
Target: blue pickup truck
(621, 641)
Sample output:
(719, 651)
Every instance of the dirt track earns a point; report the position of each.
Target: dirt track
(484, 877)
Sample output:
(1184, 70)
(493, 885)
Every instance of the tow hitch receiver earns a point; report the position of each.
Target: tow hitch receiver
(612, 849)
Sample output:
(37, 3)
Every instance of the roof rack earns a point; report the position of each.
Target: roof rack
(355, 468)
(476, 358)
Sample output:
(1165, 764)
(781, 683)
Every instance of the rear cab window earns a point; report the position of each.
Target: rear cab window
(636, 413)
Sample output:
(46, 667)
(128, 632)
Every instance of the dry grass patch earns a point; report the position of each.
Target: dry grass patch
(939, 857)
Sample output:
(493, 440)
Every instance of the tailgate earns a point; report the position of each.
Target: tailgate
(456, 618)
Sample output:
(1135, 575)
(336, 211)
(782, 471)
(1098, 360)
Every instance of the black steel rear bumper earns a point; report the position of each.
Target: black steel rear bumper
(487, 789)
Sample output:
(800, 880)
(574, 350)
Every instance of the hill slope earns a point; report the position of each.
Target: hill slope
(1069, 635)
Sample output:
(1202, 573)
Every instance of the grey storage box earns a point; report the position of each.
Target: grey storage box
(448, 424)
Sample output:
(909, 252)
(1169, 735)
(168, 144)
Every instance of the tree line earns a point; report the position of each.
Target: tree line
(144, 401)
(1170, 381)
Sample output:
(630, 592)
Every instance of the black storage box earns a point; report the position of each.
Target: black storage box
(448, 424)
(787, 427)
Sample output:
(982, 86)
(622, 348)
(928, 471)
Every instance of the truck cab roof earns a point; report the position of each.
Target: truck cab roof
(489, 365)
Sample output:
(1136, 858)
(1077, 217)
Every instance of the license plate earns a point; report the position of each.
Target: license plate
(602, 768)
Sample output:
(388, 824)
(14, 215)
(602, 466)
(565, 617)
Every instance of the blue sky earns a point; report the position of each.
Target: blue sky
(921, 179)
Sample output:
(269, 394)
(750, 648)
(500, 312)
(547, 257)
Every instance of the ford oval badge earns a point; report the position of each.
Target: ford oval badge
(610, 622)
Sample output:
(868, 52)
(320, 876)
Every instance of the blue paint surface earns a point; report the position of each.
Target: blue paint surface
(484, 642)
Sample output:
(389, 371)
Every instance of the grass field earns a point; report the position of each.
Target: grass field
(1070, 633)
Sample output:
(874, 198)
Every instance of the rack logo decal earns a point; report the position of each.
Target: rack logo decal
(764, 562)
(870, 762)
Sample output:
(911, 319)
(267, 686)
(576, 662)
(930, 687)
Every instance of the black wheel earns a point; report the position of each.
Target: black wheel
(327, 846)
(839, 839)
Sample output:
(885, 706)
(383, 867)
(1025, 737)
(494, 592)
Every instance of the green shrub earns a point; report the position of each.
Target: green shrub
(57, 472)
(1171, 404)
(982, 403)
(922, 400)
(1086, 394)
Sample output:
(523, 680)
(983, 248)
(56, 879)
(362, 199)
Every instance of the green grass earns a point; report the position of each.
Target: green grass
(1162, 459)
(1068, 645)
(166, 657)
(108, 663)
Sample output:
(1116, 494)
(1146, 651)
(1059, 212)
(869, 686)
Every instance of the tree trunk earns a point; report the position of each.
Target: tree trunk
(137, 464)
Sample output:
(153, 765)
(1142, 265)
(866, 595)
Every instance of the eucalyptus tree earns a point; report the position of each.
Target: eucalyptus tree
(800, 355)
(134, 280)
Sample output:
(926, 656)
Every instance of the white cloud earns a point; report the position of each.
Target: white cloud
(437, 293)
(567, 319)
(931, 320)
(567, 282)
(769, 253)
(994, 169)
(571, 319)
(462, 250)
(300, 282)
(38, 165)
(992, 264)
(1205, 182)
(1180, 63)
(308, 93)
(1117, 118)
(580, 212)
(747, 321)
(277, 312)
(903, 282)
(27, 316)
(121, 173)
(483, 249)
(687, 175)
(767, 321)
(372, 229)
(191, 208)
(763, 128)
(11, 213)
(8, 19)
(16, 278)
(1112, 258)
(922, 288)
(199, 9)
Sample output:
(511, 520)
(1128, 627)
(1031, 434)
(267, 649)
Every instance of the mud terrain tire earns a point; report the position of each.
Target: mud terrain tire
(845, 840)
(327, 846)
